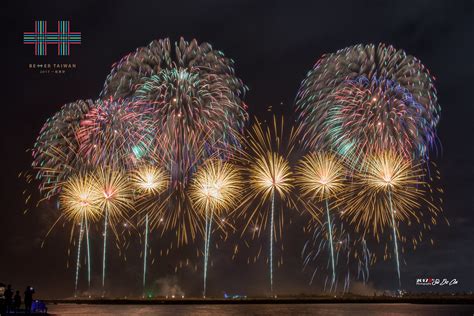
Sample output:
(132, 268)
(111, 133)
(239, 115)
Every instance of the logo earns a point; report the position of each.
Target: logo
(63, 38)
(431, 281)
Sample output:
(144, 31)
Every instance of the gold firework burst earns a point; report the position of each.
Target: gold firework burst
(264, 157)
(215, 186)
(149, 179)
(320, 176)
(114, 193)
(386, 178)
(79, 200)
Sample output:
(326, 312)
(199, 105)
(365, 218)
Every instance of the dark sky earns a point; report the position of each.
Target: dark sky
(273, 44)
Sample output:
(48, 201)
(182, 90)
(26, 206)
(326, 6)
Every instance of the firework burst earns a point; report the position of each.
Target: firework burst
(215, 188)
(149, 181)
(265, 156)
(116, 199)
(352, 256)
(55, 152)
(194, 97)
(194, 101)
(369, 97)
(80, 204)
(390, 190)
(115, 133)
(321, 176)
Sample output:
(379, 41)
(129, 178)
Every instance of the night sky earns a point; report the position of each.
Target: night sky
(273, 44)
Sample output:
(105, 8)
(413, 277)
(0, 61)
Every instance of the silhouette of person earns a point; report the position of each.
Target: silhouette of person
(2, 299)
(17, 301)
(28, 299)
(8, 298)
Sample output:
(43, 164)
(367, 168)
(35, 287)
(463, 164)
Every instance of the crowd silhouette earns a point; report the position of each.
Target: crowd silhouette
(11, 301)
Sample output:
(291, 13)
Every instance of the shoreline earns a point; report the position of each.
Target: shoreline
(469, 300)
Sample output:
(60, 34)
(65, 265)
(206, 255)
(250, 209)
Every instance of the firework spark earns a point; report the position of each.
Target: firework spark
(116, 199)
(215, 188)
(79, 202)
(265, 156)
(149, 181)
(321, 176)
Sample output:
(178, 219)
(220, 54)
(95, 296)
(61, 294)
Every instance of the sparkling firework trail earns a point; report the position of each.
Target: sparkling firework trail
(214, 188)
(79, 203)
(395, 242)
(88, 254)
(79, 243)
(149, 181)
(265, 157)
(115, 199)
(321, 177)
(352, 257)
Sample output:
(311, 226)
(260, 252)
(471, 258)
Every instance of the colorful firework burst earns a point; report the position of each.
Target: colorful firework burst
(55, 152)
(194, 97)
(369, 97)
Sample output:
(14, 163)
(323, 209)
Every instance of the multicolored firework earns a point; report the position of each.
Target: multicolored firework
(194, 97)
(85, 135)
(321, 176)
(194, 101)
(149, 182)
(265, 156)
(215, 188)
(369, 98)
(115, 133)
(55, 150)
(389, 190)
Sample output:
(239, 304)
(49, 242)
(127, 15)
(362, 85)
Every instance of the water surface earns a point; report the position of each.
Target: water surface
(263, 309)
